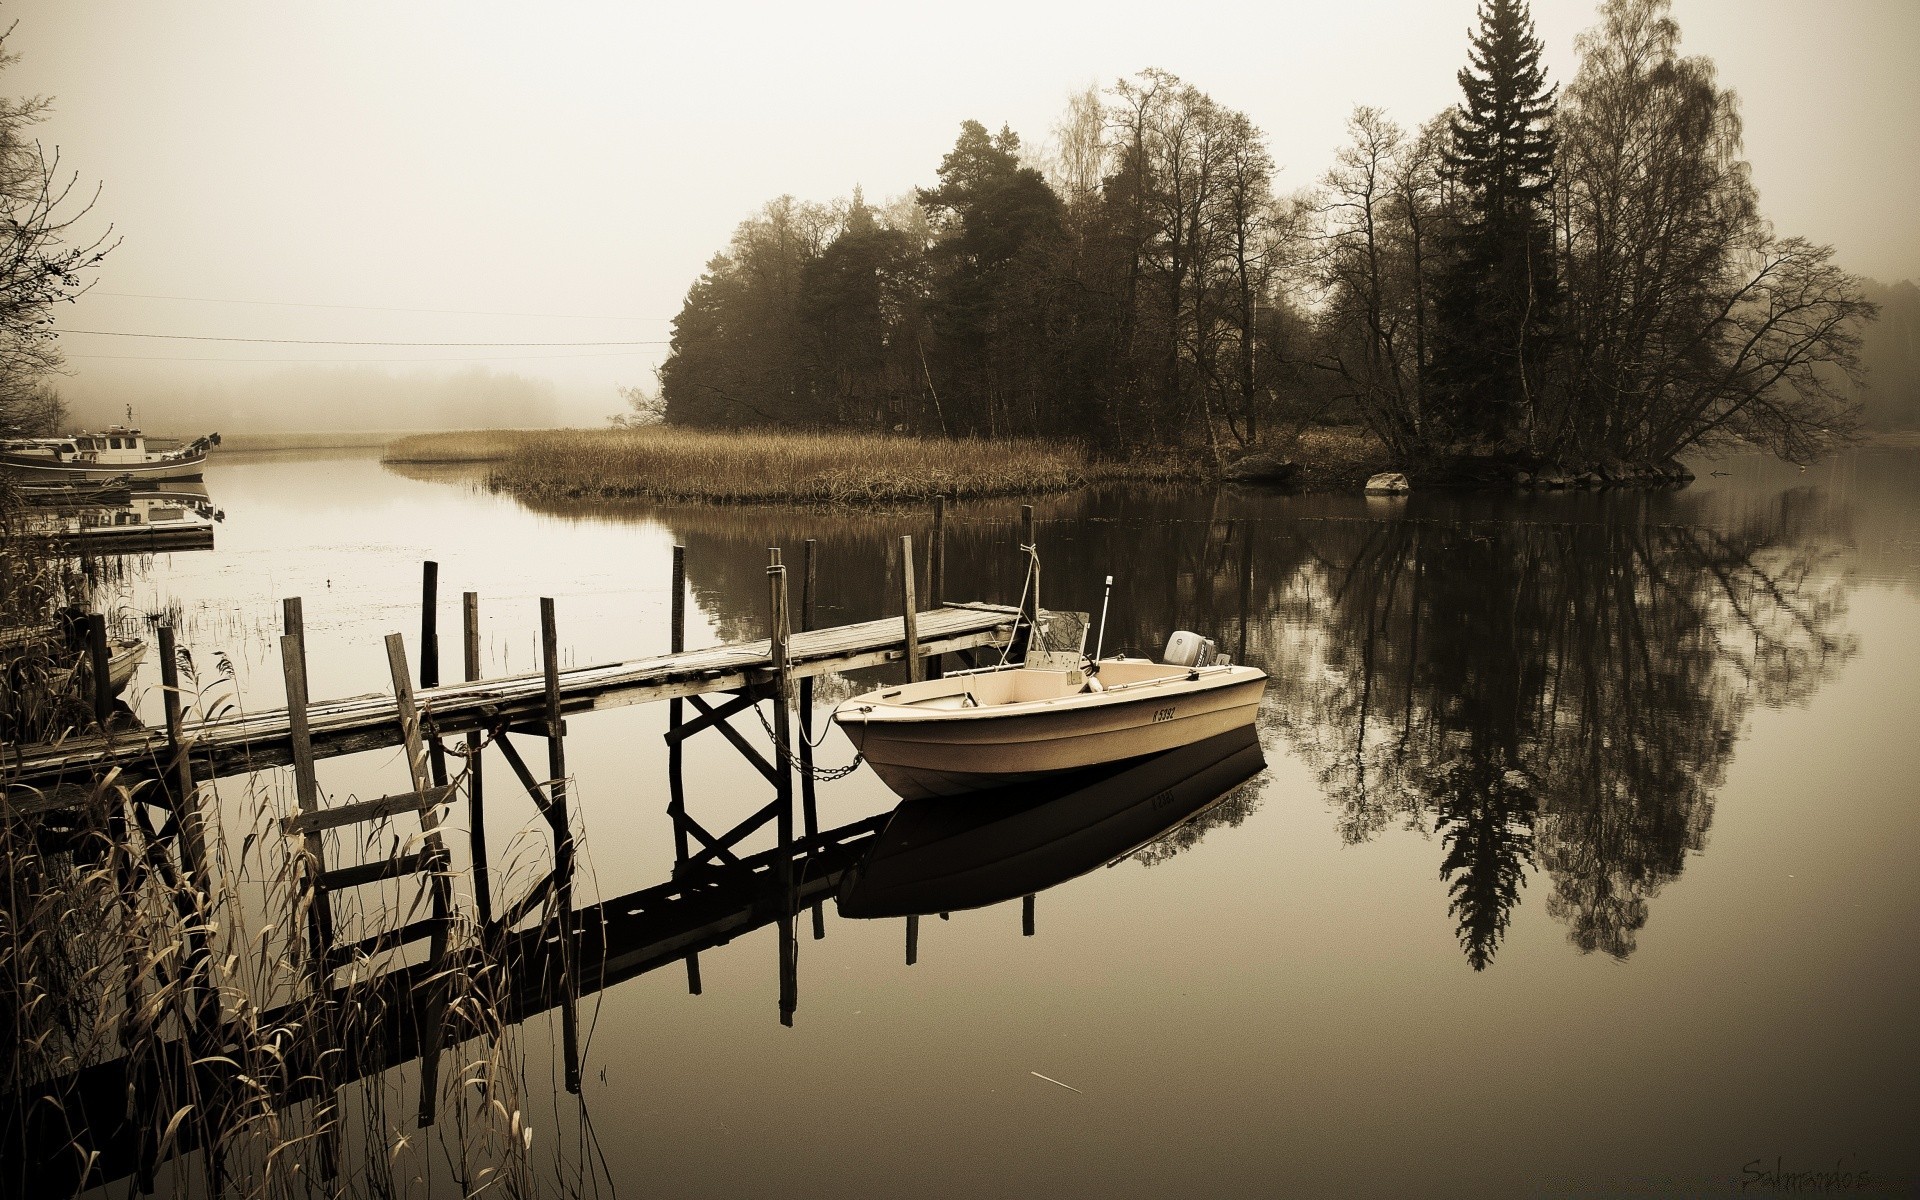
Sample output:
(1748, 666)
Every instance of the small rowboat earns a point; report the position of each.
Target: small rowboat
(975, 730)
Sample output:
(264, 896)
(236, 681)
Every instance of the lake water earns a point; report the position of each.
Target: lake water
(1582, 863)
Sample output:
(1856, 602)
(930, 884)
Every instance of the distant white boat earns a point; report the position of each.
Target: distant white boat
(115, 452)
(976, 730)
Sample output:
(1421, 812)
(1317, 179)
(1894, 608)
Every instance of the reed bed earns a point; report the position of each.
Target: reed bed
(764, 467)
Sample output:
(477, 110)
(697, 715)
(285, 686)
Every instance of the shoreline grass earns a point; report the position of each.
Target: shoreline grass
(768, 467)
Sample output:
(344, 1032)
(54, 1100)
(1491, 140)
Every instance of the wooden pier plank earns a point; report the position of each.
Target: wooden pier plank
(365, 722)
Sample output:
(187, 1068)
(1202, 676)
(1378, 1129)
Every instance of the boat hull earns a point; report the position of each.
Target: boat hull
(22, 467)
(955, 752)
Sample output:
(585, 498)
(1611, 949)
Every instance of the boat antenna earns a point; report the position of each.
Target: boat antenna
(1100, 639)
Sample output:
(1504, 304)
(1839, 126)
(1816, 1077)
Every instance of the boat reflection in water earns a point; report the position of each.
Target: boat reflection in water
(145, 517)
(942, 855)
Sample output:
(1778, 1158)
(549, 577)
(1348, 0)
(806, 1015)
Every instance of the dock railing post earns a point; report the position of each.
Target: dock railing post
(562, 840)
(910, 625)
(476, 798)
(779, 631)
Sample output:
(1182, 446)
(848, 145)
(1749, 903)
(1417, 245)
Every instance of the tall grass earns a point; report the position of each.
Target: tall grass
(760, 467)
(159, 1018)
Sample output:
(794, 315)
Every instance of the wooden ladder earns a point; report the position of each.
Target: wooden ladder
(311, 819)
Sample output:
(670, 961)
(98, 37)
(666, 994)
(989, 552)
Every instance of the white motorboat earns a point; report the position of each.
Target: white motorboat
(975, 730)
(117, 451)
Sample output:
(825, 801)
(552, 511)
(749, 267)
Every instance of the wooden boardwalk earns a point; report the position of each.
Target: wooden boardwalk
(41, 776)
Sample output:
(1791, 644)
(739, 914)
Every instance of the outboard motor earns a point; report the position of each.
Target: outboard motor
(1185, 649)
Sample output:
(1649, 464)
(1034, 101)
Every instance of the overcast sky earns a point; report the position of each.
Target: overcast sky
(574, 165)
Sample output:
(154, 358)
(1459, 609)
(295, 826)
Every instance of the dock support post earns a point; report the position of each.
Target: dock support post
(910, 630)
(937, 574)
(1026, 916)
(476, 796)
(1030, 605)
(562, 840)
(937, 555)
(676, 780)
(306, 800)
(913, 940)
(809, 809)
(97, 658)
(676, 777)
(430, 660)
(203, 1006)
(779, 630)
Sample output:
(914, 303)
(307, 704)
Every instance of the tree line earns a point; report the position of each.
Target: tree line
(1572, 274)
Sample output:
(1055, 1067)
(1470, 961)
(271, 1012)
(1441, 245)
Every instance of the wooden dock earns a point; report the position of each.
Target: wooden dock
(35, 774)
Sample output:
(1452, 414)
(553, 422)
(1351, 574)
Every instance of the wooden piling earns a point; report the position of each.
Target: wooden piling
(306, 795)
(676, 780)
(562, 839)
(179, 782)
(429, 623)
(99, 668)
(1028, 626)
(913, 940)
(1026, 916)
(809, 808)
(779, 631)
(937, 555)
(476, 795)
(910, 643)
(430, 660)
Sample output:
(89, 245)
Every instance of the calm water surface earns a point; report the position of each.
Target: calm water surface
(1583, 861)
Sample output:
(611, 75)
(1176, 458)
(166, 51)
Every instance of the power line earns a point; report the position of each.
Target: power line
(451, 312)
(416, 359)
(197, 337)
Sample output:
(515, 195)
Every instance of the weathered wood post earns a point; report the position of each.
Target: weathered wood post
(809, 809)
(203, 1004)
(937, 555)
(430, 660)
(913, 940)
(779, 631)
(676, 708)
(562, 840)
(1028, 625)
(179, 782)
(937, 575)
(476, 795)
(676, 781)
(910, 623)
(99, 669)
(306, 796)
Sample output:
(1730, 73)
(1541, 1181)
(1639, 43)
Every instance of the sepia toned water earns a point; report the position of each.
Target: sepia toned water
(1583, 860)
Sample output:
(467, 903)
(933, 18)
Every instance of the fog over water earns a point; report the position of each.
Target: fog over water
(582, 165)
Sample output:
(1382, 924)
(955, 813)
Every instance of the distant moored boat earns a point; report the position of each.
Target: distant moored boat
(117, 451)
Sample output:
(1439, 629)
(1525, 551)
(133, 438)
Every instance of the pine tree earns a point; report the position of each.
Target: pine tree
(1496, 298)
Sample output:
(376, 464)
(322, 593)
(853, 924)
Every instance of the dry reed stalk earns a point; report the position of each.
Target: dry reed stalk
(769, 467)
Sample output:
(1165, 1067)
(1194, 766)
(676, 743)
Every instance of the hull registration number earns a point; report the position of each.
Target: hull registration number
(1162, 714)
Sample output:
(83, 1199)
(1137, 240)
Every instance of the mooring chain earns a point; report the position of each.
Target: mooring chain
(819, 774)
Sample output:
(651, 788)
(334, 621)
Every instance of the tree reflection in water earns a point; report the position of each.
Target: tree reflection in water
(1556, 696)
